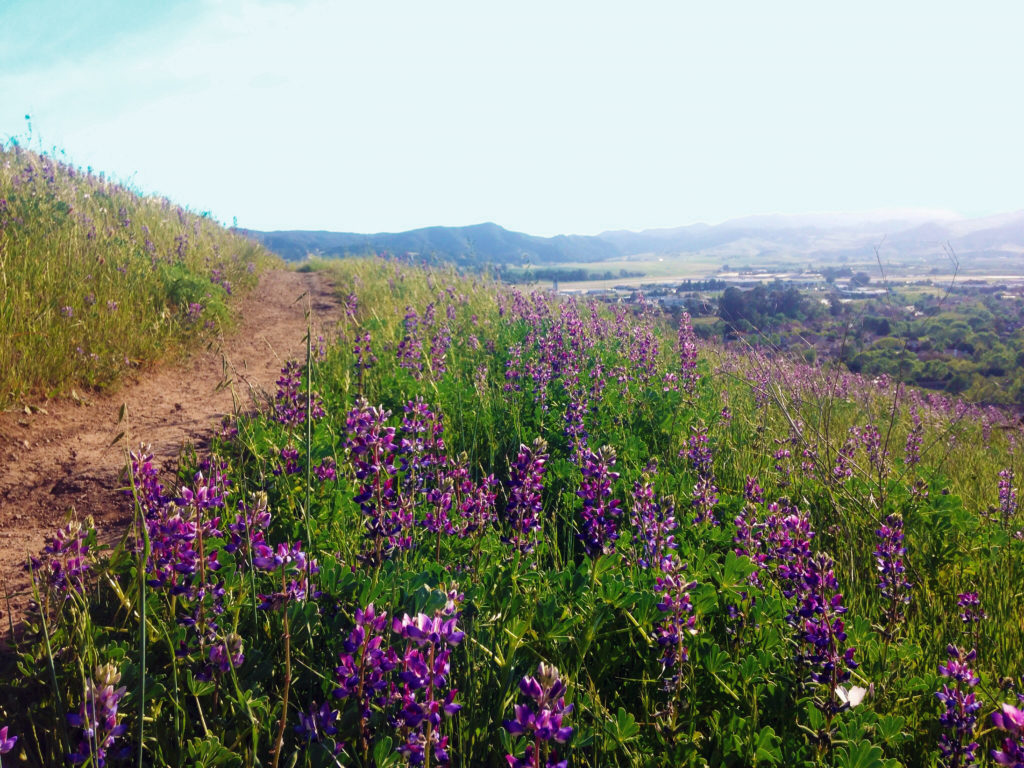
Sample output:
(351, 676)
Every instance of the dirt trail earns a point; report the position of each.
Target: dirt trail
(61, 457)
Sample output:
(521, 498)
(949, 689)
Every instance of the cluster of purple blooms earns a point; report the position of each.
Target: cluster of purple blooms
(890, 552)
(525, 487)
(290, 400)
(66, 561)
(408, 483)
(1010, 719)
(6, 742)
(653, 521)
(601, 511)
(423, 671)
(405, 690)
(410, 348)
(97, 718)
(688, 374)
(960, 714)
(705, 492)
(541, 721)
(1007, 496)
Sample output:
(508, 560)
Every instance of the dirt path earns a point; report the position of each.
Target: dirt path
(61, 457)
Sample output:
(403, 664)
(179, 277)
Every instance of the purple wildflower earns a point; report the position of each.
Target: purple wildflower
(600, 511)
(526, 484)
(688, 355)
(66, 561)
(678, 620)
(290, 400)
(1011, 720)
(365, 663)
(410, 348)
(6, 742)
(97, 717)
(1007, 496)
(653, 522)
(957, 744)
(541, 720)
(892, 580)
(424, 670)
(317, 723)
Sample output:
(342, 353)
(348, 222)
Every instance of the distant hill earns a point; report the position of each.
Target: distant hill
(478, 244)
(810, 237)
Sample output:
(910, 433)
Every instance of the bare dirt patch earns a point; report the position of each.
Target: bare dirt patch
(59, 457)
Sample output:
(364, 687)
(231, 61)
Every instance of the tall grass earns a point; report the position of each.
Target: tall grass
(96, 280)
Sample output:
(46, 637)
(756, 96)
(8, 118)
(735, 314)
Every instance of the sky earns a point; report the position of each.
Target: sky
(545, 117)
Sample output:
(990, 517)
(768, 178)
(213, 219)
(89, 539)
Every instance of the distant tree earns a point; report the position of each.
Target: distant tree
(860, 279)
(732, 306)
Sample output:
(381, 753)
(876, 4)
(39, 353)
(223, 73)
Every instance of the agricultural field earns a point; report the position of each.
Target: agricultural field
(491, 527)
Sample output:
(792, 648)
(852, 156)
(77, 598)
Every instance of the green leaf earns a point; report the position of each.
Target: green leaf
(210, 753)
(767, 747)
(862, 755)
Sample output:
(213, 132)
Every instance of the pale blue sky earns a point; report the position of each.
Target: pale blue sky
(545, 117)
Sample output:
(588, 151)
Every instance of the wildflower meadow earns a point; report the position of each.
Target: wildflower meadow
(488, 527)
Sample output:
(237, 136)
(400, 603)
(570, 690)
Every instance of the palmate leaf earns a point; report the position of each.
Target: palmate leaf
(863, 755)
(210, 753)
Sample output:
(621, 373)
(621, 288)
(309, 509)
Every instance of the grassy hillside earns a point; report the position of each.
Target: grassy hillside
(96, 280)
(488, 528)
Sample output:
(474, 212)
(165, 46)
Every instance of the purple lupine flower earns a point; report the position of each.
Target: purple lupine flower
(653, 521)
(410, 348)
(705, 492)
(600, 511)
(67, 311)
(289, 461)
(892, 580)
(97, 717)
(477, 504)
(227, 654)
(1007, 496)
(541, 721)
(6, 742)
(915, 438)
(782, 457)
(687, 355)
(317, 723)
(822, 631)
(843, 469)
(752, 491)
(288, 561)
(290, 400)
(424, 670)
(66, 561)
(326, 470)
(1010, 719)
(363, 351)
(245, 535)
(957, 744)
(440, 343)
(971, 612)
(375, 458)
(525, 486)
(365, 663)
(145, 475)
(678, 620)
(871, 439)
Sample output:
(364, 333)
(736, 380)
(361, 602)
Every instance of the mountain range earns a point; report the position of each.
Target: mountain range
(909, 235)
